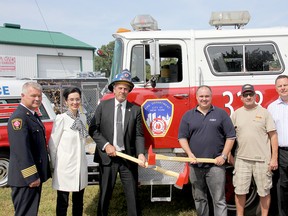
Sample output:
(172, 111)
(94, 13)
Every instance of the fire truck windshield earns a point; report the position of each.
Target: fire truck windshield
(117, 58)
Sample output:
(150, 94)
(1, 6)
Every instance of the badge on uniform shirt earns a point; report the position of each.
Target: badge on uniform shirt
(16, 123)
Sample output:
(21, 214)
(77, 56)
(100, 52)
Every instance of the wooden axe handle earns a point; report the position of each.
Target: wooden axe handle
(185, 159)
(156, 168)
(128, 157)
(205, 160)
(166, 172)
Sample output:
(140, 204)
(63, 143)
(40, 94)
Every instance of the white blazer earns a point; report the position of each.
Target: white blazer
(68, 156)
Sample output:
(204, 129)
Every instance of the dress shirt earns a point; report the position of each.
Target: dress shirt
(123, 107)
(279, 112)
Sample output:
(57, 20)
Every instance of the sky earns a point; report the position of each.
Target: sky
(94, 21)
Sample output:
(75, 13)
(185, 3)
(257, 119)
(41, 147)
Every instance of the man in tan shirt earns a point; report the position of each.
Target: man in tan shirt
(256, 136)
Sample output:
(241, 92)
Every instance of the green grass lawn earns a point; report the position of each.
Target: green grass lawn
(181, 205)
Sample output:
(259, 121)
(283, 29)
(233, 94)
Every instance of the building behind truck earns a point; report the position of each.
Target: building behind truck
(27, 53)
(168, 66)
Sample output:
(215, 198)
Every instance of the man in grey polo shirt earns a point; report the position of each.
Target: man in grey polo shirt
(207, 132)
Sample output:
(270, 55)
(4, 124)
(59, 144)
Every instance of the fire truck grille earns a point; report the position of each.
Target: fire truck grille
(149, 176)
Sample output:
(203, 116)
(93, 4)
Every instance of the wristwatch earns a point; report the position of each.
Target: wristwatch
(224, 156)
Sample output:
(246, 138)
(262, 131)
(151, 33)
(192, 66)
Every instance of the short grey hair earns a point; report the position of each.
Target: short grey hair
(34, 85)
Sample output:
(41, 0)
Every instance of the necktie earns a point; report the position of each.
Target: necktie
(37, 117)
(120, 136)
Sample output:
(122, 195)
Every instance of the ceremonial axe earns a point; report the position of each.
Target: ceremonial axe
(182, 178)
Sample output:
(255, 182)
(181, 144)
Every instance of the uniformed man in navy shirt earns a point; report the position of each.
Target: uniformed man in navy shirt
(29, 165)
(207, 132)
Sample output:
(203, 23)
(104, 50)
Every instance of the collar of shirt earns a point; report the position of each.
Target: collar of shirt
(280, 101)
(32, 111)
(211, 109)
(123, 103)
(122, 108)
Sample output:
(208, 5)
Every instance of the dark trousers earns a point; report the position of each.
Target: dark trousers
(283, 182)
(26, 200)
(129, 178)
(63, 201)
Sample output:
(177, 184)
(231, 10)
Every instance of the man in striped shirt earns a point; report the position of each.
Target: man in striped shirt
(279, 112)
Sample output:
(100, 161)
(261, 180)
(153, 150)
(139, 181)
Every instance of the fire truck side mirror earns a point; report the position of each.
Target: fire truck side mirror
(154, 57)
(153, 82)
(101, 53)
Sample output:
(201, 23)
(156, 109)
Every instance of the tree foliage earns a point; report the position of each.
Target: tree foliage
(103, 62)
(168, 61)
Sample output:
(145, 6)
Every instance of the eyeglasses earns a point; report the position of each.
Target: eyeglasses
(77, 100)
(251, 94)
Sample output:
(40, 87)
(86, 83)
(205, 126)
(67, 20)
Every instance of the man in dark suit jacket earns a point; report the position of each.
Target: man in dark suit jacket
(29, 164)
(103, 129)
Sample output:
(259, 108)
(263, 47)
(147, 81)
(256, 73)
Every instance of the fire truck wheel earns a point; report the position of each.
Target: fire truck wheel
(4, 163)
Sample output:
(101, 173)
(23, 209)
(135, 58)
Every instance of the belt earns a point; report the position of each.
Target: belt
(283, 148)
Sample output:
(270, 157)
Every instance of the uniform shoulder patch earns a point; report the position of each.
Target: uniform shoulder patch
(16, 123)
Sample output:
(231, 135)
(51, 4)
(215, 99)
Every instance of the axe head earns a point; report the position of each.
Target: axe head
(186, 173)
(180, 181)
(183, 177)
(151, 156)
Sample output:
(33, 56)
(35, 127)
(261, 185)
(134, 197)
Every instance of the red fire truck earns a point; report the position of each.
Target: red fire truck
(168, 66)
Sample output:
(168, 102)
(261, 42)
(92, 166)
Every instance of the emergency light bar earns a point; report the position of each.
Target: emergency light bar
(236, 18)
(144, 23)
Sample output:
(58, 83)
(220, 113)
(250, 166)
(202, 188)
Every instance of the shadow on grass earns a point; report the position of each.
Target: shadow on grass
(182, 203)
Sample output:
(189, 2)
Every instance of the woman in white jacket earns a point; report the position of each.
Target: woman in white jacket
(68, 157)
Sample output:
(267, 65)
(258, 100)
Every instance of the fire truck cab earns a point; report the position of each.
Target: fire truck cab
(168, 66)
(10, 96)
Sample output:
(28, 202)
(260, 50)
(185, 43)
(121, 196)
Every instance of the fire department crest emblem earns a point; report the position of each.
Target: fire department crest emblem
(157, 115)
(16, 123)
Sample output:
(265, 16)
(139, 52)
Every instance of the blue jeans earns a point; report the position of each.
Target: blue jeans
(212, 179)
